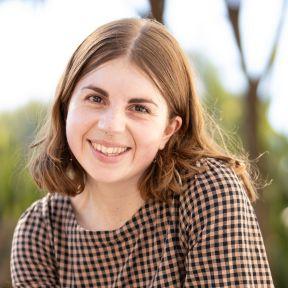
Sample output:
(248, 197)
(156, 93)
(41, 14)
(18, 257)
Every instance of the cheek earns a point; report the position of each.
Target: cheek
(77, 124)
(149, 139)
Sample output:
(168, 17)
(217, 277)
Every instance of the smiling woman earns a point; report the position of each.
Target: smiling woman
(121, 123)
(139, 194)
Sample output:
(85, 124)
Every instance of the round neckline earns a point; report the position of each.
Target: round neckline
(131, 226)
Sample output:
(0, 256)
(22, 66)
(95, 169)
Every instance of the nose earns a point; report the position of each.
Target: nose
(112, 120)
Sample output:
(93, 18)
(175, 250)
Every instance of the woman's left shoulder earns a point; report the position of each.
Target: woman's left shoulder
(216, 180)
(215, 190)
(216, 170)
(219, 228)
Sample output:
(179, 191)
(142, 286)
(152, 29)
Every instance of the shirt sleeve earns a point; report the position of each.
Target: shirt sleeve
(225, 245)
(32, 262)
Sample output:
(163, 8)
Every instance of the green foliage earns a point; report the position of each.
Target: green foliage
(17, 129)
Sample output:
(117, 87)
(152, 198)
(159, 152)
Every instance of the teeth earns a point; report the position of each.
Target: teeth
(109, 150)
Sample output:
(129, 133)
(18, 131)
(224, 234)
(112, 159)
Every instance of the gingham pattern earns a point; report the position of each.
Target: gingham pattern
(208, 237)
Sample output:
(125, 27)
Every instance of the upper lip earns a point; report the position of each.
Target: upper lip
(108, 144)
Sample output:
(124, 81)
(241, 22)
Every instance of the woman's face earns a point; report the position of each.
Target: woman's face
(114, 107)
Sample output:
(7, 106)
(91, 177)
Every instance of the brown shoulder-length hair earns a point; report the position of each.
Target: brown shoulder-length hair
(148, 45)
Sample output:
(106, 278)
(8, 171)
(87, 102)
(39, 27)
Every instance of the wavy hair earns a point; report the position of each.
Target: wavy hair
(148, 45)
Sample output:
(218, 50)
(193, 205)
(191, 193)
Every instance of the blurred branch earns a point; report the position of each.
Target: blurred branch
(251, 95)
(233, 9)
(157, 9)
(275, 46)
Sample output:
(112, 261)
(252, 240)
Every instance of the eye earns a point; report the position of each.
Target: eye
(96, 98)
(141, 109)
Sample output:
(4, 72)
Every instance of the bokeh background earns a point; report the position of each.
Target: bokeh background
(239, 51)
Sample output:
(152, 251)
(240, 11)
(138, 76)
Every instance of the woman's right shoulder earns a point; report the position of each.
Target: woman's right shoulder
(42, 212)
(32, 252)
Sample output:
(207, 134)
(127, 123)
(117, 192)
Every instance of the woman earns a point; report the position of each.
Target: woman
(139, 193)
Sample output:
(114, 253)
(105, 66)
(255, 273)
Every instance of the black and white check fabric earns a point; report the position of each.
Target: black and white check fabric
(208, 237)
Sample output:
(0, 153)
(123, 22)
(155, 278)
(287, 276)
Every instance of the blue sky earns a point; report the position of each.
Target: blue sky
(37, 41)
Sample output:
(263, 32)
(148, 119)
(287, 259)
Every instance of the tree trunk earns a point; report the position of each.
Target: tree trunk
(252, 118)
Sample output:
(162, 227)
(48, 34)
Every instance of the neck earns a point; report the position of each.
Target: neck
(114, 202)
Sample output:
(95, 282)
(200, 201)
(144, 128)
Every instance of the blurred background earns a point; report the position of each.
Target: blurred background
(239, 51)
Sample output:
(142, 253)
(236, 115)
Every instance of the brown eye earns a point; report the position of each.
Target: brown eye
(96, 99)
(141, 109)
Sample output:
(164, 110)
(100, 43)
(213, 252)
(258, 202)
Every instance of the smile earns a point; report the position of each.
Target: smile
(109, 151)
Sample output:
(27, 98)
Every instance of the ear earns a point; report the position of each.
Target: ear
(172, 128)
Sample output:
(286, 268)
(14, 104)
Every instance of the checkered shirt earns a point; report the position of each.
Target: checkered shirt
(208, 237)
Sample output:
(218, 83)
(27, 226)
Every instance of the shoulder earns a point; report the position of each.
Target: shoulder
(32, 261)
(41, 214)
(216, 180)
(33, 216)
(220, 232)
(213, 195)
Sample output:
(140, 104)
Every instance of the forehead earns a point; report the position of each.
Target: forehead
(123, 78)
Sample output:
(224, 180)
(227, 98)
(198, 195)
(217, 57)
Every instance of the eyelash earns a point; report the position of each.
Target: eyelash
(137, 105)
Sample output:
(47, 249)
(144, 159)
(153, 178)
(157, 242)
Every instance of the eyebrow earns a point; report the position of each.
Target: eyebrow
(105, 94)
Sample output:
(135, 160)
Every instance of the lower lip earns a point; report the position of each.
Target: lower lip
(107, 159)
